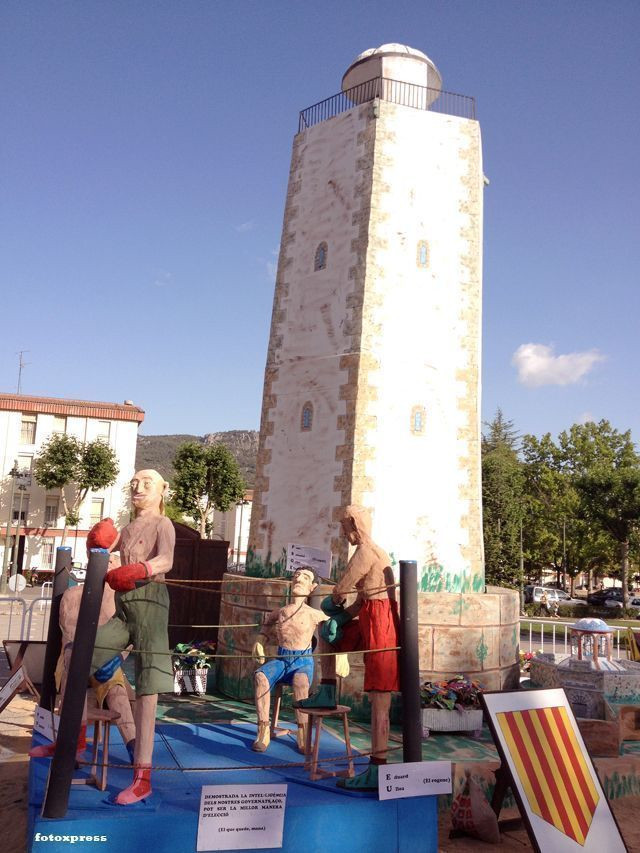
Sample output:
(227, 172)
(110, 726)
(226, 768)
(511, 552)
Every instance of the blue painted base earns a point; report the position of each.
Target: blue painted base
(319, 816)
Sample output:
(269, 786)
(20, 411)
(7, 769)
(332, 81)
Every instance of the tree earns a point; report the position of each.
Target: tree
(502, 496)
(500, 432)
(207, 478)
(175, 514)
(66, 463)
(550, 500)
(605, 469)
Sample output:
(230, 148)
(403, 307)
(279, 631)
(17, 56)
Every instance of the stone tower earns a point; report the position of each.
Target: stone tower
(372, 382)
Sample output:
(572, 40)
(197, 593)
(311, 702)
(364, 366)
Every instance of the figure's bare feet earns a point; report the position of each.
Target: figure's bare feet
(263, 740)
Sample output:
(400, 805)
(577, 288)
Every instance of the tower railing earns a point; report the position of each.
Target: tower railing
(395, 91)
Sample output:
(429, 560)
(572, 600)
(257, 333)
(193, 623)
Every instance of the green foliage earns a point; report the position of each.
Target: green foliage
(57, 463)
(577, 498)
(605, 471)
(174, 513)
(502, 500)
(66, 463)
(207, 478)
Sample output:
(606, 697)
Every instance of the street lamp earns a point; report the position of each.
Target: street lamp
(243, 503)
(13, 473)
(14, 562)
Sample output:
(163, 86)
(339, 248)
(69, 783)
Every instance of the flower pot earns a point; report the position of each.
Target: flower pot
(190, 681)
(441, 720)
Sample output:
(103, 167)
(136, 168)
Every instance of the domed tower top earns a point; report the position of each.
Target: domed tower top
(394, 62)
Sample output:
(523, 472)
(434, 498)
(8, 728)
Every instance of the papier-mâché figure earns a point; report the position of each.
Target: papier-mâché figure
(294, 626)
(369, 573)
(142, 612)
(111, 689)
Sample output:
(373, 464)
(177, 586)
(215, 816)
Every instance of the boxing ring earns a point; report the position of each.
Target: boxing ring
(189, 755)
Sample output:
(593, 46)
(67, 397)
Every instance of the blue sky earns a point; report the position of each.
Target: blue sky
(144, 160)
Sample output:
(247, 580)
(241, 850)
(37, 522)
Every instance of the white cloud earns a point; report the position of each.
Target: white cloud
(586, 418)
(245, 226)
(162, 279)
(538, 365)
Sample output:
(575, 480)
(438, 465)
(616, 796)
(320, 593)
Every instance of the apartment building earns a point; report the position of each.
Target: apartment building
(35, 515)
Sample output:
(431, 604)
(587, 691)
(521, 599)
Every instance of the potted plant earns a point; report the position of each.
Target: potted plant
(451, 706)
(192, 664)
(526, 658)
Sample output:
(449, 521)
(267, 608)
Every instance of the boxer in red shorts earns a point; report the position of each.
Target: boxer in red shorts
(369, 573)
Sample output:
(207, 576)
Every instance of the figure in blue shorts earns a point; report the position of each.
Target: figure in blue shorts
(294, 626)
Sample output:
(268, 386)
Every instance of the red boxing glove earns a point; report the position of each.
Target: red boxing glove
(102, 535)
(123, 579)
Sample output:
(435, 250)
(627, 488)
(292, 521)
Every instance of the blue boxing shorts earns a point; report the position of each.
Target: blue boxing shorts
(282, 669)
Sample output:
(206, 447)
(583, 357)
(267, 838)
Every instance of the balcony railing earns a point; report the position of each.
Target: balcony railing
(395, 91)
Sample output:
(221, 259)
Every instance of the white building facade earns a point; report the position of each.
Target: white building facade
(233, 527)
(36, 516)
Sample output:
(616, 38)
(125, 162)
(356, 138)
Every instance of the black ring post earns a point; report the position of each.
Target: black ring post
(409, 662)
(54, 634)
(64, 759)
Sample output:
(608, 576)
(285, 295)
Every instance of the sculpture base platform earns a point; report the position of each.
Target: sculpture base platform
(318, 815)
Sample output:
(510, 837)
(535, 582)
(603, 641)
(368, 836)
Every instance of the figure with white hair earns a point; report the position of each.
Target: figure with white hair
(141, 619)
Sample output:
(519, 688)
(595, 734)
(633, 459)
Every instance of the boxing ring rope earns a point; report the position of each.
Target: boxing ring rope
(234, 769)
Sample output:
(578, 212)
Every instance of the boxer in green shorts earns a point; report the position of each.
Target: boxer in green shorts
(140, 620)
(142, 612)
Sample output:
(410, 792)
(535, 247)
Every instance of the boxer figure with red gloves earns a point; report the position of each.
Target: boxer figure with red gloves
(369, 573)
(142, 612)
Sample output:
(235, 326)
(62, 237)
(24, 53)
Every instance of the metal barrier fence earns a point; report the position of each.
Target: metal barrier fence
(12, 600)
(20, 623)
(554, 634)
(42, 602)
(47, 592)
(395, 91)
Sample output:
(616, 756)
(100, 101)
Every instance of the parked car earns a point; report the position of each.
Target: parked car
(601, 595)
(533, 594)
(617, 602)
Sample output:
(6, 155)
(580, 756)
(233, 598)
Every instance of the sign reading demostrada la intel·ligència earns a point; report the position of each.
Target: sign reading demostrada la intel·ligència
(241, 817)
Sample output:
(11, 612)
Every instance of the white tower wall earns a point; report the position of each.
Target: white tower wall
(390, 328)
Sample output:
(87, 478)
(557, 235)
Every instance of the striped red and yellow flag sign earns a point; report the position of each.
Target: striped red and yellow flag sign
(551, 768)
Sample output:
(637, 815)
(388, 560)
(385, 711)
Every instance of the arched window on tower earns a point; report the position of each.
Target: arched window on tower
(418, 420)
(320, 259)
(422, 255)
(306, 419)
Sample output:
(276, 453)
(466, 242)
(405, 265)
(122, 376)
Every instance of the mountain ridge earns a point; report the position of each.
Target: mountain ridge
(158, 451)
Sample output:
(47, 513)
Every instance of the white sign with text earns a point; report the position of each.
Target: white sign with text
(46, 723)
(415, 779)
(241, 817)
(303, 555)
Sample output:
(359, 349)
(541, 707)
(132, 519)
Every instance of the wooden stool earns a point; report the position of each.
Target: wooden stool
(101, 719)
(316, 716)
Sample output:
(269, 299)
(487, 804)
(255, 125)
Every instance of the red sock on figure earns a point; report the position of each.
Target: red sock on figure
(139, 788)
